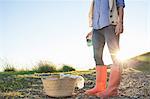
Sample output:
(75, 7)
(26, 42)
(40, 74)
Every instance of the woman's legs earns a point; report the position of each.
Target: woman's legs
(101, 70)
(115, 74)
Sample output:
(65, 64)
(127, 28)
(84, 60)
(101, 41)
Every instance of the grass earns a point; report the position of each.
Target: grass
(143, 68)
(67, 68)
(11, 83)
(144, 62)
(41, 67)
(9, 68)
(17, 73)
(45, 67)
(12, 94)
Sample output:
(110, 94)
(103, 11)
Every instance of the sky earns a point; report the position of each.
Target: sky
(55, 30)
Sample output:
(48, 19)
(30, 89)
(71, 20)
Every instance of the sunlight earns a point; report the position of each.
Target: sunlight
(122, 56)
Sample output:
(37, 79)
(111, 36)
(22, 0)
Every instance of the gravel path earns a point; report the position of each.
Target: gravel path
(134, 85)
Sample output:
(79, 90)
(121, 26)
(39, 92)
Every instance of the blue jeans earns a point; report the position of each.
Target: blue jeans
(102, 36)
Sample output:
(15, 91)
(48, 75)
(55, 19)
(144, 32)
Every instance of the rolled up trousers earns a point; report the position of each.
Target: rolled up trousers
(102, 36)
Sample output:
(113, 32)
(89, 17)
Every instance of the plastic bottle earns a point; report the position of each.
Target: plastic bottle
(89, 39)
(89, 42)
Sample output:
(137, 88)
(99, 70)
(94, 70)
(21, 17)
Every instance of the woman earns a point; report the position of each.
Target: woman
(106, 20)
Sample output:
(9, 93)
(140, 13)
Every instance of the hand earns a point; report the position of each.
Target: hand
(89, 35)
(119, 28)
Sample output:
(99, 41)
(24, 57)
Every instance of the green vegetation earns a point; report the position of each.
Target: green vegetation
(10, 83)
(144, 68)
(41, 67)
(66, 68)
(143, 62)
(9, 68)
(45, 67)
(17, 73)
(143, 58)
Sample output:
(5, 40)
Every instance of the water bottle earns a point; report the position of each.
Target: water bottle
(89, 42)
(89, 39)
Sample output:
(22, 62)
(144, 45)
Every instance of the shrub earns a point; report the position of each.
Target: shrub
(45, 67)
(92, 68)
(9, 68)
(67, 68)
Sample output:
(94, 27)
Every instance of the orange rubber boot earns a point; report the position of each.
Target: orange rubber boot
(113, 84)
(101, 78)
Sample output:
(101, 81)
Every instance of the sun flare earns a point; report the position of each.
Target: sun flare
(122, 56)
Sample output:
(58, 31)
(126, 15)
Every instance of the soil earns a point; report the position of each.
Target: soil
(134, 85)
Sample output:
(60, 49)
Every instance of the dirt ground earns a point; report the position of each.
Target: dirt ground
(134, 85)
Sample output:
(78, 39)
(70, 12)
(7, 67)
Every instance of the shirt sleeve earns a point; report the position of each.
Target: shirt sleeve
(120, 3)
